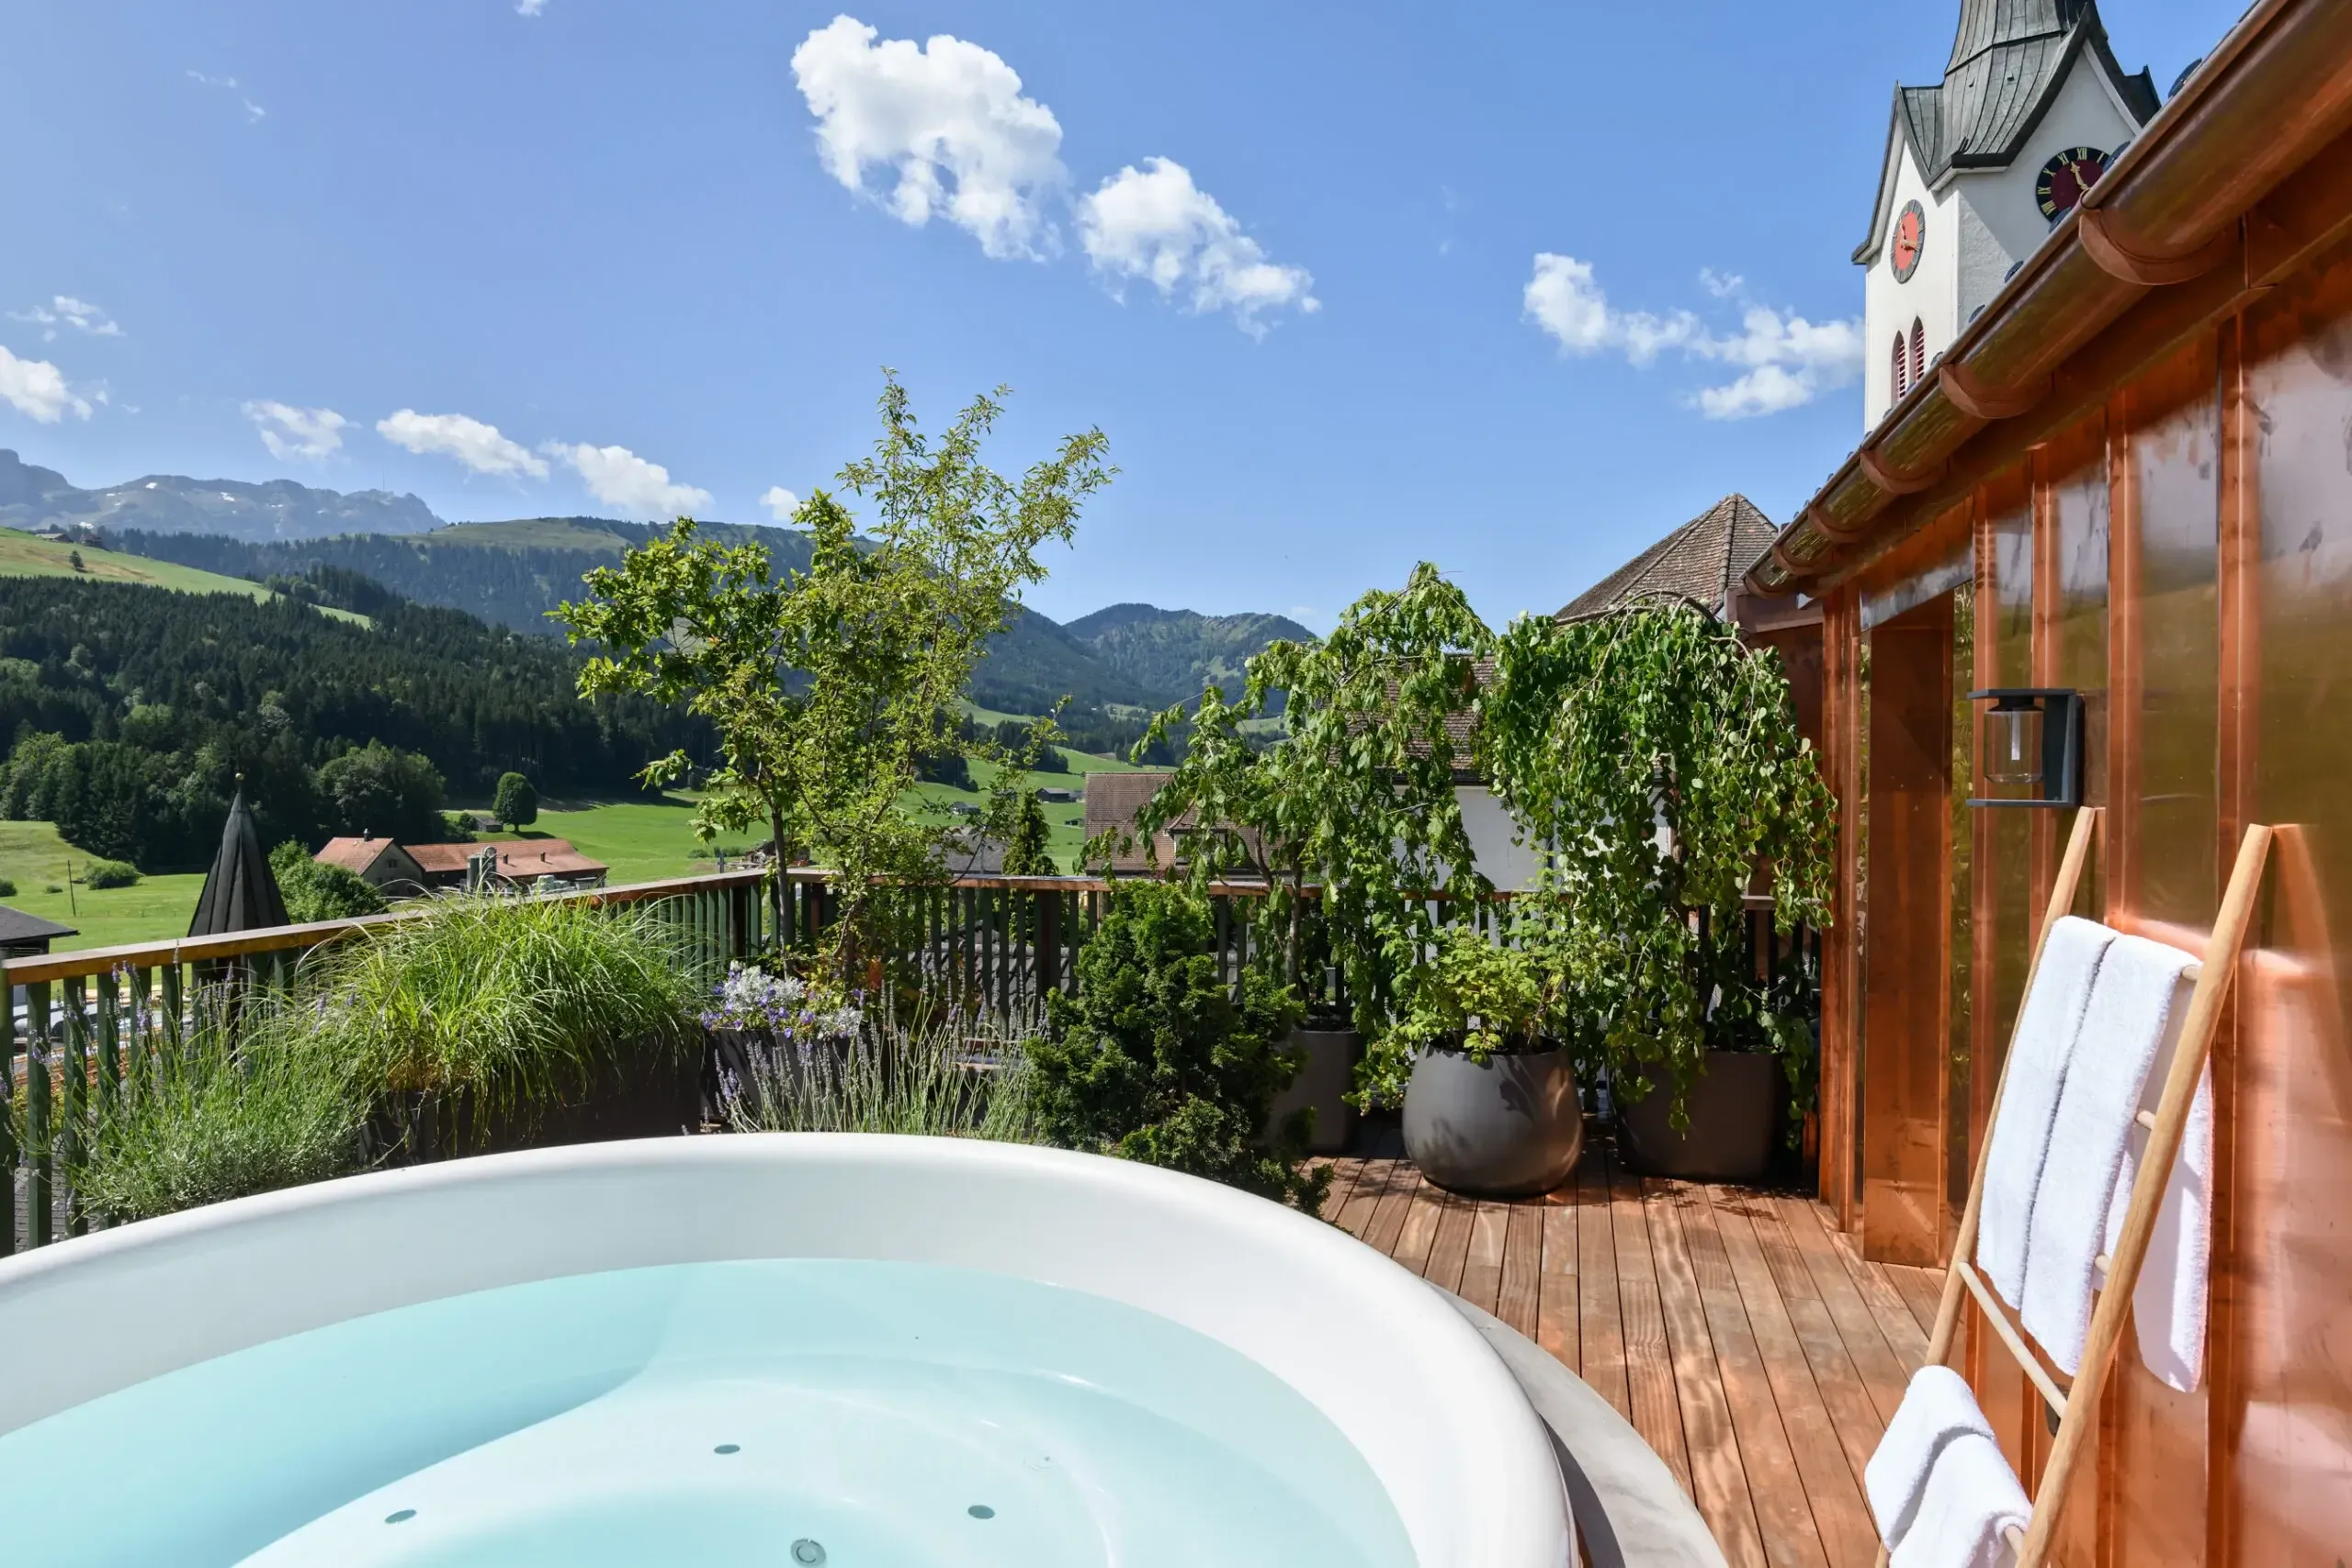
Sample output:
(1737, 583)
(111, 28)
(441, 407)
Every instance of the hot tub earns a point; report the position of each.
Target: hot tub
(870, 1352)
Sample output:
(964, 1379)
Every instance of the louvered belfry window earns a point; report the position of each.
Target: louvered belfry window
(1901, 382)
(1918, 350)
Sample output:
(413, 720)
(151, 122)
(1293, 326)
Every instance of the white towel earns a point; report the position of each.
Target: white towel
(2131, 1011)
(2168, 1304)
(1936, 1408)
(2047, 1025)
(1971, 1498)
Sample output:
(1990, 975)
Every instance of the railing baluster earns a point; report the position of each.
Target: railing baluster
(8, 1137)
(39, 1223)
(110, 1039)
(75, 994)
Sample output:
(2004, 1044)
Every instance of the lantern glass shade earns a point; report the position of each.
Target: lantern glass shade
(2013, 743)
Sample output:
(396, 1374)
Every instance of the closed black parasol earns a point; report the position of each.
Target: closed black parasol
(239, 895)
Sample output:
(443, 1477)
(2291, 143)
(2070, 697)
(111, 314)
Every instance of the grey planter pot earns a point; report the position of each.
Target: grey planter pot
(1507, 1127)
(1324, 1079)
(1733, 1109)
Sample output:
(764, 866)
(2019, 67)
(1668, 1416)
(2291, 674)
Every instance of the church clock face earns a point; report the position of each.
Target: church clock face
(1910, 239)
(2065, 177)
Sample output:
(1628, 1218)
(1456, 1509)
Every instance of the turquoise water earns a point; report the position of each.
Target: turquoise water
(770, 1413)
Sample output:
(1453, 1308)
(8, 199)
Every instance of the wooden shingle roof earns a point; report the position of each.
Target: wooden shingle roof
(1700, 560)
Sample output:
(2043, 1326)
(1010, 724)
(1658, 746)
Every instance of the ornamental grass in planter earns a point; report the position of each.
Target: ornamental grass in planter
(494, 1022)
(242, 1104)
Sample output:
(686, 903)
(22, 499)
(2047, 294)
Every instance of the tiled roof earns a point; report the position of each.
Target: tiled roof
(1700, 560)
(519, 859)
(355, 855)
(2008, 60)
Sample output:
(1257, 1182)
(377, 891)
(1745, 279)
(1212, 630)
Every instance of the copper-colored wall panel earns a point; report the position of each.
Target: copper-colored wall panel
(1904, 1028)
(2290, 1272)
(1841, 944)
(2164, 825)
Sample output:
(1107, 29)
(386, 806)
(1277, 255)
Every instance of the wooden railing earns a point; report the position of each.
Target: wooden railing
(83, 1024)
(80, 1025)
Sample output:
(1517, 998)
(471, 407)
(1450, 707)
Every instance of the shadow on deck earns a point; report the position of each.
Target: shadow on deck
(1742, 1336)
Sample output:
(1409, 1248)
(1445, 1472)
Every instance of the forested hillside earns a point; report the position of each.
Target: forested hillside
(512, 573)
(1170, 654)
(132, 711)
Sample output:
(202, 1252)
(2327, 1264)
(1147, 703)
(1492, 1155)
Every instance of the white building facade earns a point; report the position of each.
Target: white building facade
(1979, 168)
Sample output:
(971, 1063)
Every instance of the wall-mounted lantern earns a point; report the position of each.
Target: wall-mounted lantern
(2030, 746)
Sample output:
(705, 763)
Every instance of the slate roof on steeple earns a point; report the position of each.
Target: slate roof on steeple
(2008, 58)
(1700, 560)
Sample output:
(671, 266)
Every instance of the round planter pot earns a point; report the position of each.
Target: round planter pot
(1733, 1109)
(1507, 1127)
(1326, 1072)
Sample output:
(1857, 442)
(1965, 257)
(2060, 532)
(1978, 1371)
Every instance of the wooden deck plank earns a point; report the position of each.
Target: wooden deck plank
(1782, 1511)
(1922, 1292)
(1388, 1221)
(1356, 1187)
(1418, 1235)
(1482, 1269)
(1555, 1301)
(1739, 1334)
(1523, 1267)
(1880, 1364)
(1853, 1412)
(1719, 1482)
(1450, 1251)
(1649, 1363)
(1831, 1488)
(1599, 1326)
(1893, 1314)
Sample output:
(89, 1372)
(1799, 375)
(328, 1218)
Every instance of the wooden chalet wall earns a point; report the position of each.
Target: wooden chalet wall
(2181, 552)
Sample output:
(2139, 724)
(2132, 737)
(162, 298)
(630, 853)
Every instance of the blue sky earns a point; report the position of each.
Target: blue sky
(514, 254)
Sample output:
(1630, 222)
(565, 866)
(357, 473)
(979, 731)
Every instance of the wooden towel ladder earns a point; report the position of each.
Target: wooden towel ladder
(2076, 1405)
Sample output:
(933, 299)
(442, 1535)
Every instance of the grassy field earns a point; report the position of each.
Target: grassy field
(641, 840)
(152, 910)
(21, 555)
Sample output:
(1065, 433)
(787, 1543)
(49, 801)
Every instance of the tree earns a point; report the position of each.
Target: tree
(1653, 758)
(74, 557)
(516, 804)
(315, 891)
(1359, 801)
(387, 793)
(1014, 819)
(829, 686)
(1159, 1059)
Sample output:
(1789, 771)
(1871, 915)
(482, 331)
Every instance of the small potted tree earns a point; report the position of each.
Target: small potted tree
(1351, 822)
(1654, 758)
(1487, 1083)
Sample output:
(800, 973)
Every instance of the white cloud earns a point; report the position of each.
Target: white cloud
(530, 7)
(253, 112)
(63, 310)
(37, 390)
(948, 119)
(292, 434)
(1788, 360)
(474, 444)
(781, 503)
(619, 478)
(1155, 223)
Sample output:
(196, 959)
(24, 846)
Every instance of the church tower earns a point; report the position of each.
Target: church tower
(1979, 167)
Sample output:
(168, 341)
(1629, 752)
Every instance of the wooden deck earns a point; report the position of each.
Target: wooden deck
(1743, 1337)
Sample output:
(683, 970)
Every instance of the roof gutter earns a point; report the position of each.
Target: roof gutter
(2275, 93)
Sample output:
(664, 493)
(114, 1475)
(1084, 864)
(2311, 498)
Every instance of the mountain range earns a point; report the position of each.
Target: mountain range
(34, 498)
(512, 573)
